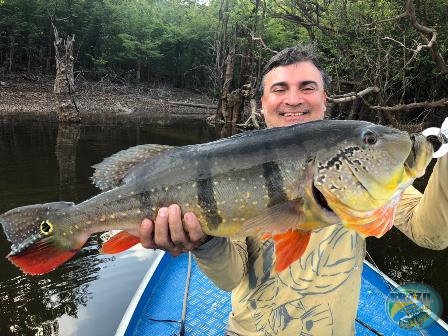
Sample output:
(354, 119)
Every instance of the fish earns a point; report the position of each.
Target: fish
(276, 183)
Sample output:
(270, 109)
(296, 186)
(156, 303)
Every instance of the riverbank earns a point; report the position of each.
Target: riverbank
(104, 102)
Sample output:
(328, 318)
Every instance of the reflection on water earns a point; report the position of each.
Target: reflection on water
(43, 163)
(88, 295)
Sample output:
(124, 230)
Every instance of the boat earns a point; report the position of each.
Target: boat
(176, 298)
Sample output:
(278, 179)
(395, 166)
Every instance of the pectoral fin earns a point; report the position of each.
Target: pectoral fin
(119, 243)
(378, 224)
(278, 218)
(289, 247)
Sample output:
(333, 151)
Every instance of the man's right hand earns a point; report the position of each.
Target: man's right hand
(171, 232)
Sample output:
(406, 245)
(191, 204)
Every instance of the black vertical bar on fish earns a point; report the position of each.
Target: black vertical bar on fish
(274, 183)
(206, 198)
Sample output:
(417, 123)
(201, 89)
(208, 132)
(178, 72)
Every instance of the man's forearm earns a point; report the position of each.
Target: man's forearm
(223, 260)
(424, 218)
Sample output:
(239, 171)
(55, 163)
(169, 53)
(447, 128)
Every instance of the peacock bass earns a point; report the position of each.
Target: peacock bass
(280, 182)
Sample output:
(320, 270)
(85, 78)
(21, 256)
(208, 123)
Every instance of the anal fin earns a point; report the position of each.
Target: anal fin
(119, 243)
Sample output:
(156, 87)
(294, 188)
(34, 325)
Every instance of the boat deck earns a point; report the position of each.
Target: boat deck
(158, 308)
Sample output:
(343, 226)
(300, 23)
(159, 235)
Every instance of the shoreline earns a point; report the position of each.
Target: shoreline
(104, 102)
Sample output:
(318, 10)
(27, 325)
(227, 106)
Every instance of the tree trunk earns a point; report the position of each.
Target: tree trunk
(229, 100)
(138, 74)
(11, 53)
(64, 84)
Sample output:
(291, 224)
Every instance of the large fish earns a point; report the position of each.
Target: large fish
(280, 183)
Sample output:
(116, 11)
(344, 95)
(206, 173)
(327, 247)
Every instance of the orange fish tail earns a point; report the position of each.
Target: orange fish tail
(41, 258)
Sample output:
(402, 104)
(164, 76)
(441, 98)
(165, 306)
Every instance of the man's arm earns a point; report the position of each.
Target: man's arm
(221, 259)
(424, 218)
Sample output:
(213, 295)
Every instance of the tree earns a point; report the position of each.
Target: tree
(64, 83)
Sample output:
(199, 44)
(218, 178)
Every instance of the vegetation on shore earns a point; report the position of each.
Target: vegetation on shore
(387, 59)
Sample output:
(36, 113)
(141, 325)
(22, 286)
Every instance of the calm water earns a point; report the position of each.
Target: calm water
(88, 295)
(39, 163)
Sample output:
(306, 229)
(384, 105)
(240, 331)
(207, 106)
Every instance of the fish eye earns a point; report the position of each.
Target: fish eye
(369, 138)
(46, 227)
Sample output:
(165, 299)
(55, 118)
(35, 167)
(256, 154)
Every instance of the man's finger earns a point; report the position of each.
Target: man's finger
(178, 235)
(162, 237)
(194, 229)
(146, 233)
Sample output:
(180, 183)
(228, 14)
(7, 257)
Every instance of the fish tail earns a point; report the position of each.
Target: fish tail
(41, 258)
(34, 249)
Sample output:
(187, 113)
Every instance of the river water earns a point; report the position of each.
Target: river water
(41, 162)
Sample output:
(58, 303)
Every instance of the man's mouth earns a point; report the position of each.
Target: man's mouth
(294, 114)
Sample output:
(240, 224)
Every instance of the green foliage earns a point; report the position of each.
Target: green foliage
(362, 42)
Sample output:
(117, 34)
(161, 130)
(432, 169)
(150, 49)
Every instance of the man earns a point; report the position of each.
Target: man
(317, 295)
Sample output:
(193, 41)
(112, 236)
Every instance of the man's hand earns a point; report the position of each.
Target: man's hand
(170, 233)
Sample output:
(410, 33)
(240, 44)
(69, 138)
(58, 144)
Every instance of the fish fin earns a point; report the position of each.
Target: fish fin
(277, 218)
(41, 258)
(379, 223)
(119, 243)
(289, 247)
(111, 171)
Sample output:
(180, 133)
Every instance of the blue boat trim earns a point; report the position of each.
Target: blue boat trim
(147, 284)
(157, 307)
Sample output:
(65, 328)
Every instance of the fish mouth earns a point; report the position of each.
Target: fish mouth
(320, 199)
(419, 156)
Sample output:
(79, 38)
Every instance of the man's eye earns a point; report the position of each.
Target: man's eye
(279, 90)
(309, 88)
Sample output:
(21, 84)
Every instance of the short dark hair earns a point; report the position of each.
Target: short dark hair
(292, 55)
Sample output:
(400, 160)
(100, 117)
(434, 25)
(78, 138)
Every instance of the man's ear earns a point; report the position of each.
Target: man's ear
(262, 109)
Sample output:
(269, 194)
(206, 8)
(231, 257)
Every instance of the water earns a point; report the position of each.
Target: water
(39, 163)
(88, 295)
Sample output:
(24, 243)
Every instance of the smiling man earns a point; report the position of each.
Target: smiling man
(318, 294)
(293, 94)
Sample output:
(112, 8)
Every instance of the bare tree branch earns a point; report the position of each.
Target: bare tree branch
(353, 95)
(412, 106)
(430, 41)
(259, 39)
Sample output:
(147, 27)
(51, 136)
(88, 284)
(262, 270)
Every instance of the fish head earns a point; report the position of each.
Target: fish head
(362, 177)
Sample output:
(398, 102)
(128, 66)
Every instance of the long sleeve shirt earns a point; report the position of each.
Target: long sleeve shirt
(318, 294)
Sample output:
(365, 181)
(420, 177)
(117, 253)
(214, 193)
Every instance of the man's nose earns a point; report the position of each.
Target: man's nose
(294, 97)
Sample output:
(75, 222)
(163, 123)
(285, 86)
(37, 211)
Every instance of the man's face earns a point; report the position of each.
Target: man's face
(293, 94)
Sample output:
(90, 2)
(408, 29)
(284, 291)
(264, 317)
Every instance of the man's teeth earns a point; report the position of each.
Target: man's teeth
(296, 114)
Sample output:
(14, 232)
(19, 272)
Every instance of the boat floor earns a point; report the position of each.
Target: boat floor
(159, 310)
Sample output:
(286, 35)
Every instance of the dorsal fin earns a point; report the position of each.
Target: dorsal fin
(110, 172)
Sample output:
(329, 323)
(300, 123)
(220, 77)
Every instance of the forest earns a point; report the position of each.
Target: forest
(387, 58)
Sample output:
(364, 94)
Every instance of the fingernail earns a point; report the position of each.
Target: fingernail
(173, 209)
(163, 212)
(188, 217)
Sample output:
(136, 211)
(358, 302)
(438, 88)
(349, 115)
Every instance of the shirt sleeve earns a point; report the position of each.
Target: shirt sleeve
(424, 218)
(223, 260)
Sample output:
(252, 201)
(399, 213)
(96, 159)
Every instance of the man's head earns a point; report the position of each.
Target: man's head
(293, 87)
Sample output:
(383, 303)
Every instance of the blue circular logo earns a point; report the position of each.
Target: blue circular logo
(414, 306)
